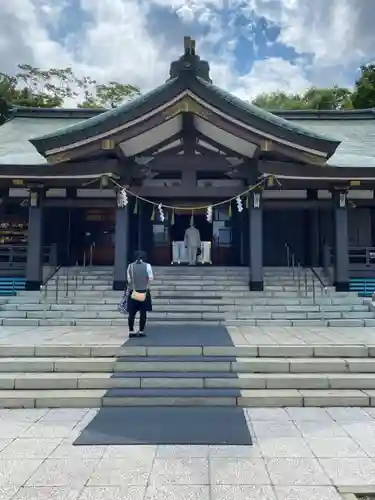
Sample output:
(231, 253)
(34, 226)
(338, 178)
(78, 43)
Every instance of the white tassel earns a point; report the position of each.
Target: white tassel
(161, 213)
(122, 198)
(209, 214)
(239, 204)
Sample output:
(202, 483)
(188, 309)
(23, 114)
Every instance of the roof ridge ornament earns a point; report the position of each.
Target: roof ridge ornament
(190, 63)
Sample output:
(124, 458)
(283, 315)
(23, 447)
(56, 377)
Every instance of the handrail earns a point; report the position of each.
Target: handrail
(44, 286)
(322, 284)
(291, 259)
(56, 270)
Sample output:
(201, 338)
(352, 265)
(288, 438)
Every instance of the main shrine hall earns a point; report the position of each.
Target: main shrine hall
(256, 184)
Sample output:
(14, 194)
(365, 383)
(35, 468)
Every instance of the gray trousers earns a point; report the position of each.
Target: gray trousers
(192, 254)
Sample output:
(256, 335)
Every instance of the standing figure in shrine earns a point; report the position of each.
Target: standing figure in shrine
(192, 242)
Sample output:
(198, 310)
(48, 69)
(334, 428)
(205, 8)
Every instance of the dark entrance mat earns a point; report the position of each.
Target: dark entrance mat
(157, 425)
(183, 335)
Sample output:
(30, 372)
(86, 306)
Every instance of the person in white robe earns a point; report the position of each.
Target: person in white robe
(192, 242)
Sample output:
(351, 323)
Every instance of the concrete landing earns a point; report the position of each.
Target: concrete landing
(239, 335)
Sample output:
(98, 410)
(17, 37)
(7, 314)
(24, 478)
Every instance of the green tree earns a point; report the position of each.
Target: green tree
(4, 111)
(279, 100)
(364, 92)
(109, 96)
(313, 98)
(39, 88)
(34, 87)
(328, 98)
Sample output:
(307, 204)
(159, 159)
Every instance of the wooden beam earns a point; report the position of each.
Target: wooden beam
(258, 140)
(185, 192)
(162, 144)
(189, 136)
(196, 162)
(171, 151)
(217, 145)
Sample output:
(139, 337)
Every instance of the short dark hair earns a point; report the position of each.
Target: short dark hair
(139, 255)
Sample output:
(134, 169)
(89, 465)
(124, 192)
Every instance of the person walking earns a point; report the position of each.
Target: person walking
(139, 276)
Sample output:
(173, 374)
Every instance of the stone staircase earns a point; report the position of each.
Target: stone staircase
(68, 376)
(84, 297)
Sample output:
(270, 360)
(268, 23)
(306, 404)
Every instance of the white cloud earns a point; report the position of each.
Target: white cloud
(115, 40)
(331, 30)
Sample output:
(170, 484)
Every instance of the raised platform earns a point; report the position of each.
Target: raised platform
(187, 366)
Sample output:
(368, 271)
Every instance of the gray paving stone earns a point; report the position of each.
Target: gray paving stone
(242, 492)
(282, 429)
(238, 471)
(350, 471)
(284, 447)
(307, 493)
(23, 448)
(182, 471)
(296, 471)
(310, 414)
(224, 451)
(267, 414)
(16, 471)
(336, 448)
(63, 472)
(113, 493)
(350, 414)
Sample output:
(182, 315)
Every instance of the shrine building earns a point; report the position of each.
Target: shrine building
(259, 185)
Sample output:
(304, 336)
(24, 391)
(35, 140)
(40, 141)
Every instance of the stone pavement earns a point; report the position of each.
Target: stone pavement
(298, 454)
(240, 335)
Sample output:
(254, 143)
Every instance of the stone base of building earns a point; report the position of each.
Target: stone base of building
(119, 285)
(256, 286)
(342, 286)
(32, 286)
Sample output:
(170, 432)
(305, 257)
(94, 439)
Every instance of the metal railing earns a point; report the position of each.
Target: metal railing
(357, 255)
(70, 277)
(15, 256)
(304, 275)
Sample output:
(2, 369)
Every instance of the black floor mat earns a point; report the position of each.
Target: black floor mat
(172, 426)
(183, 335)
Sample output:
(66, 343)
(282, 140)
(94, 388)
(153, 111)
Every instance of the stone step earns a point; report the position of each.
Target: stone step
(188, 280)
(224, 293)
(94, 398)
(189, 313)
(121, 321)
(191, 380)
(96, 301)
(68, 350)
(207, 364)
(200, 305)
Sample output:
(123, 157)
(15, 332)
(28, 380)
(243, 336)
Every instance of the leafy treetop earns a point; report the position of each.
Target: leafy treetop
(34, 87)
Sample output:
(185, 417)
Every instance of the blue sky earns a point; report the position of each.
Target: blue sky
(252, 45)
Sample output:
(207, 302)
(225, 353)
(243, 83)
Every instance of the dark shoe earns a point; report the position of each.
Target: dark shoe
(141, 334)
(132, 335)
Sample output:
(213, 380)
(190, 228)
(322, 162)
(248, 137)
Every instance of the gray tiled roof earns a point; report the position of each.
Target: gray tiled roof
(357, 148)
(251, 109)
(124, 109)
(15, 148)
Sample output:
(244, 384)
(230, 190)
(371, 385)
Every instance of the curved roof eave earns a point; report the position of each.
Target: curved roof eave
(248, 111)
(262, 120)
(108, 119)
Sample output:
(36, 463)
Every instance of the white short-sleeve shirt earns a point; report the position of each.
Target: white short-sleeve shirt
(148, 269)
